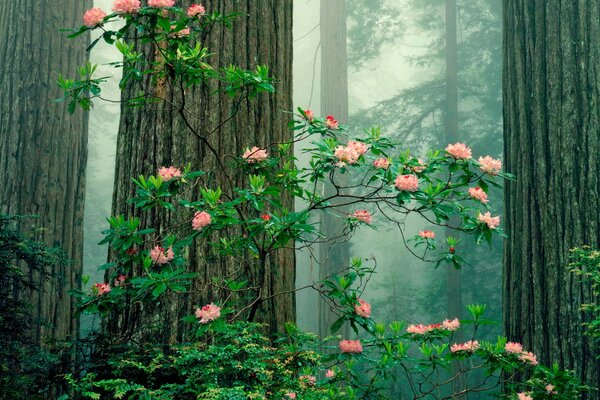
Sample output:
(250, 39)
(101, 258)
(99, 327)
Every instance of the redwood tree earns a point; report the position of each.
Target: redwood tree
(155, 135)
(551, 123)
(43, 150)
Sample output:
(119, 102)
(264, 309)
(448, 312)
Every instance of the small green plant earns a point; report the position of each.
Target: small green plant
(585, 262)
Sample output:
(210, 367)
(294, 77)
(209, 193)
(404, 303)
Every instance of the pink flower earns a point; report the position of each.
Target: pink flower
(255, 155)
(93, 17)
(381, 163)
(451, 325)
(177, 34)
(492, 222)
(290, 395)
(329, 374)
(101, 288)
(309, 115)
(459, 151)
(120, 281)
(524, 396)
(427, 234)
(550, 389)
(363, 216)
(201, 220)
(308, 379)
(478, 194)
(469, 346)
(489, 165)
(410, 183)
(126, 6)
(514, 348)
(362, 308)
(208, 313)
(419, 168)
(420, 329)
(351, 346)
(265, 217)
(160, 257)
(196, 10)
(168, 173)
(331, 122)
(359, 147)
(346, 155)
(161, 3)
(528, 357)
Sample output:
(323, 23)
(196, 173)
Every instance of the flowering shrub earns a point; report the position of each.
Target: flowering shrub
(585, 262)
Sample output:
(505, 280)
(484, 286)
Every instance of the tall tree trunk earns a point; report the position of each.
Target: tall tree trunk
(334, 256)
(154, 136)
(43, 150)
(551, 123)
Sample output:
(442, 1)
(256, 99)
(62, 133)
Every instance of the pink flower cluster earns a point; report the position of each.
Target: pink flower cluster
(528, 357)
(331, 122)
(255, 155)
(410, 183)
(517, 348)
(419, 168)
(101, 288)
(514, 348)
(308, 380)
(330, 373)
(168, 173)
(363, 216)
(382, 163)
(491, 222)
(126, 6)
(160, 257)
(478, 194)
(346, 155)
(460, 151)
(427, 234)
(447, 325)
(362, 309)
(468, 347)
(309, 115)
(290, 395)
(451, 325)
(196, 10)
(351, 346)
(201, 220)
(93, 17)
(208, 313)
(120, 281)
(524, 396)
(489, 165)
(161, 3)
(360, 147)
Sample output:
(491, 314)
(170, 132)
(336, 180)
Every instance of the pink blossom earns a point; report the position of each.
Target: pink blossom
(478, 194)
(93, 17)
(346, 155)
(524, 396)
(420, 329)
(126, 6)
(120, 281)
(331, 122)
(514, 348)
(489, 165)
(528, 357)
(160, 257)
(290, 395)
(181, 33)
(460, 151)
(330, 373)
(362, 308)
(451, 325)
(550, 389)
(351, 346)
(410, 183)
(363, 216)
(419, 168)
(255, 155)
(168, 173)
(427, 234)
(309, 115)
(196, 10)
(381, 163)
(308, 379)
(201, 220)
(469, 346)
(492, 222)
(161, 3)
(265, 217)
(359, 147)
(101, 288)
(208, 313)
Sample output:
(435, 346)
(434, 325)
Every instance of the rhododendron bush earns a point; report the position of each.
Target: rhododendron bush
(374, 178)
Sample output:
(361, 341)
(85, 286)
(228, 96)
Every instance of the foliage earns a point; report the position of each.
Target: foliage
(585, 262)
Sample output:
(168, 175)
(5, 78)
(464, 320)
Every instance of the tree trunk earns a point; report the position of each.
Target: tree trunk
(551, 123)
(43, 149)
(334, 255)
(155, 136)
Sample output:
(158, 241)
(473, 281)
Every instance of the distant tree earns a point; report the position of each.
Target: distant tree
(551, 124)
(42, 151)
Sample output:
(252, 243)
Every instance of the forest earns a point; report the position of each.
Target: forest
(300, 199)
